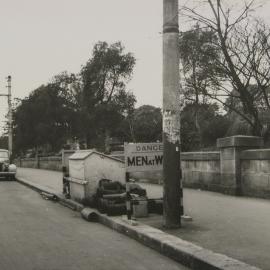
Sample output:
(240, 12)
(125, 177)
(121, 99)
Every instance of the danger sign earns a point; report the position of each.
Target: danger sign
(143, 157)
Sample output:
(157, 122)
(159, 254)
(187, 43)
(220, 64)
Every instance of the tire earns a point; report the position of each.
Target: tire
(116, 209)
(102, 205)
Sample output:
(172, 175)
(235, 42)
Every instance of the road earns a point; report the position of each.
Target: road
(37, 234)
(235, 226)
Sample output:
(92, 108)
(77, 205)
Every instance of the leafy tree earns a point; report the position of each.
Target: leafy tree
(199, 59)
(244, 60)
(201, 69)
(214, 126)
(104, 99)
(147, 124)
(91, 106)
(44, 119)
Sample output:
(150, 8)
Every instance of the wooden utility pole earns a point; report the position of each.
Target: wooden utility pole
(9, 117)
(172, 187)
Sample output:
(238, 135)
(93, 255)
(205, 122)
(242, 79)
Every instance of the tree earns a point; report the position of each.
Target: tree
(103, 94)
(213, 126)
(46, 118)
(199, 59)
(90, 106)
(200, 67)
(147, 124)
(244, 45)
(124, 128)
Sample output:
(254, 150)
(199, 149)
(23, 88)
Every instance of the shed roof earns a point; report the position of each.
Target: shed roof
(83, 154)
(80, 155)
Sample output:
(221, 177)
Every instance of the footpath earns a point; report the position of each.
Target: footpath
(182, 245)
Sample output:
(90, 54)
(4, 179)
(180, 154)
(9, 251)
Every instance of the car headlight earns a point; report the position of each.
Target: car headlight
(12, 168)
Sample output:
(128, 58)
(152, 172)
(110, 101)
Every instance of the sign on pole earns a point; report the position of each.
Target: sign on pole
(140, 157)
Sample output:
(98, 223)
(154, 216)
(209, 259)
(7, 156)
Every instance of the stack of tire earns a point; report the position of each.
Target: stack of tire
(111, 205)
(111, 196)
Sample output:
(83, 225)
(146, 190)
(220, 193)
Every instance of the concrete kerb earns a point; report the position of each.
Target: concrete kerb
(32, 186)
(186, 253)
(60, 197)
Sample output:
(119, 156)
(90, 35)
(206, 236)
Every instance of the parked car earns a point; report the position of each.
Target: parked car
(7, 170)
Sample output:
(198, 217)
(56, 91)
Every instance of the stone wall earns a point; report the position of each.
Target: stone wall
(241, 167)
(54, 163)
(201, 170)
(46, 163)
(255, 172)
(26, 162)
(50, 163)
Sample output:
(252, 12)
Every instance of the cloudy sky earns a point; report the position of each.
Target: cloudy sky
(41, 38)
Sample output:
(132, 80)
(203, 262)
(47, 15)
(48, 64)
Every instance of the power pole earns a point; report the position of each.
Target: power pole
(9, 115)
(172, 187)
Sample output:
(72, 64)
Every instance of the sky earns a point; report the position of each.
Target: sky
(41, 38)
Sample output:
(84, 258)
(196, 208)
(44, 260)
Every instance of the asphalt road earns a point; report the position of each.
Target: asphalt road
(235, 226)
(36, 234)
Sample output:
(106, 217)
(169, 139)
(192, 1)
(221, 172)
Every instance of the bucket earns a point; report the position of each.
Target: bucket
(140, 208)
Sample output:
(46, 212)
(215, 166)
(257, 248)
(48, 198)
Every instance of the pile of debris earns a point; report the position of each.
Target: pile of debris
(110, 197)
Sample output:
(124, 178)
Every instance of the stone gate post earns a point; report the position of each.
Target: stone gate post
(230, 163)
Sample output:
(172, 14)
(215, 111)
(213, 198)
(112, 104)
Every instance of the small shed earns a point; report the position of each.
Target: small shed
(87, 168)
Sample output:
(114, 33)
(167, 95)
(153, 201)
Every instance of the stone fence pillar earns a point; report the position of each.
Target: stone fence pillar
(230, 163)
